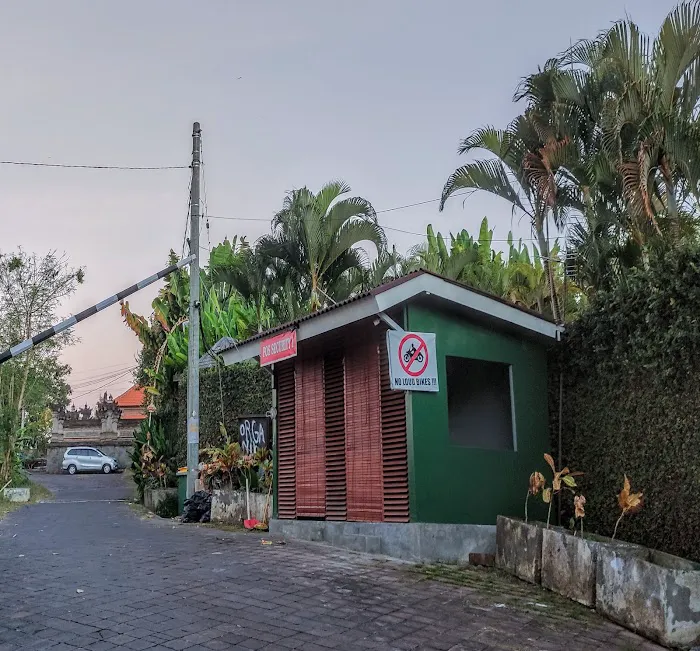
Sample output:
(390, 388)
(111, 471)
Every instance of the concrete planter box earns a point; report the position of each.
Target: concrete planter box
(16, 494)
(569, 563)
(152, 497)
(230, 506)
(519, 548)
(652, 593)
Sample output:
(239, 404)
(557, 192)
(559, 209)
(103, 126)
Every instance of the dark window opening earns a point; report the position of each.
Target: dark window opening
(479, 404)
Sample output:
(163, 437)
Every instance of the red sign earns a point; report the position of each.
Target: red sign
(275, 349)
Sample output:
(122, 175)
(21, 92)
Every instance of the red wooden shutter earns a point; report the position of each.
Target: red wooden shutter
(310, 439)
(334, 387)
(286, 457)
(394, 447)
(363, 444)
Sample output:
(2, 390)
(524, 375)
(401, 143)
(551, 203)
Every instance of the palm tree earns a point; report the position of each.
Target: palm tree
(525, 171)
(601, 226)
(241, 268)
(644, 95)
(315, 239)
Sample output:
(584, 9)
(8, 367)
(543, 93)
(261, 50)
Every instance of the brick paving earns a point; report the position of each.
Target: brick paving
(85, 574)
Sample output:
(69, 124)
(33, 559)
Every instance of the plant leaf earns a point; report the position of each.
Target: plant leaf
(548, 458)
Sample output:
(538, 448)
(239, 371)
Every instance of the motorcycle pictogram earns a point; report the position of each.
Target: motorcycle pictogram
(410, 353)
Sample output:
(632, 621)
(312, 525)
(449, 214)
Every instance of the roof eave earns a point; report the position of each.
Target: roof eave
(380, 301)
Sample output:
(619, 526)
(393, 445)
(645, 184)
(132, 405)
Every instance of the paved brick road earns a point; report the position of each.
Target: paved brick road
(146, 584)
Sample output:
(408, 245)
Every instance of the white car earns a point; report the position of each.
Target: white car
(86, 460)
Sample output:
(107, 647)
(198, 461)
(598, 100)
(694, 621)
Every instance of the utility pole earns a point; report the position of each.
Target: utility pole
(193, 329)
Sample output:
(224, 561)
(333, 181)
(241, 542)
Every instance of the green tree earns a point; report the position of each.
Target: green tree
(650, 90)
(315, 241)
(523, 170)
(627, 106)
(32, 289)
(515, 274)
(224, 312)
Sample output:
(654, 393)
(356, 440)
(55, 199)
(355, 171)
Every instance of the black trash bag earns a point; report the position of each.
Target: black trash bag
(197, 508)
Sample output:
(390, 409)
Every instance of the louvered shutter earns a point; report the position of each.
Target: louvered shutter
(394, 446)
(334, 388)
(363, 435)
(310, 439)
(286, 457)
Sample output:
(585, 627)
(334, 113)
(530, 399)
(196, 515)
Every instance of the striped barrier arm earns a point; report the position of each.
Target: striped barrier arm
(98, 307)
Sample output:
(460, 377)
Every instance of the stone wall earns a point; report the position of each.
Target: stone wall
(102, 429)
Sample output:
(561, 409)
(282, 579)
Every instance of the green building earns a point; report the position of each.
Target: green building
(422, 471)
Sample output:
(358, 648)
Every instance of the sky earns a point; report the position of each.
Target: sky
(375, 92)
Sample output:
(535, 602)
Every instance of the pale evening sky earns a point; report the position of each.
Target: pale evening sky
(376, 92)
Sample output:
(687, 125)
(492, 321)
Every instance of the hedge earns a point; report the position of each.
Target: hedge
(247, 390)
(631, 403)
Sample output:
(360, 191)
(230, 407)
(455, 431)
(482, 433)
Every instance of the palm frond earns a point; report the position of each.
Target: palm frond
(489, 176)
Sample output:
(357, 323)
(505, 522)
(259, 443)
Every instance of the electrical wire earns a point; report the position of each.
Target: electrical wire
(387, 228)
(87, 382)
(187, 217)
(205, 203)
(95, 167)
(114, 381)
(122, 366)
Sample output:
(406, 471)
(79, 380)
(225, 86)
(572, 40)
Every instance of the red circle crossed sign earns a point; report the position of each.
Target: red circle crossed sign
(416, 352)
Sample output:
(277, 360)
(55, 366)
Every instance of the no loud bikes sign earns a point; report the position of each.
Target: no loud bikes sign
(412, 361)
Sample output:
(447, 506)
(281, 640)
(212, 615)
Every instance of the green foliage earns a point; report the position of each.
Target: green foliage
(167, 507)
(31, 291)
(608, 143)
(154, 456)
(516, 275)
(227, 467)
(315, 242)
(632, 402)
(246, 390)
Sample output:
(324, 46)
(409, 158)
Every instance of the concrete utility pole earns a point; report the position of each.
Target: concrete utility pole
(193, 329)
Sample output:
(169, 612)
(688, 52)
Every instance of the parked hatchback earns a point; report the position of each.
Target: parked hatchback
(86, 460)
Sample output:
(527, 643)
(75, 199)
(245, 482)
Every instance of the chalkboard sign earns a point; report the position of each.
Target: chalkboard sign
(254, 433)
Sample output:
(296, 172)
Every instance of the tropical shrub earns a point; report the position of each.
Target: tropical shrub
(227, 467)
(153, 457)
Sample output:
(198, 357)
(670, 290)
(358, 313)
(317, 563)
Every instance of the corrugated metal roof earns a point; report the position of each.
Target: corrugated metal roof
(228, 343)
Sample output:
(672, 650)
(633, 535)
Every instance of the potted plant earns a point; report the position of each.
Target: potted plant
(570, 558)
(648, 591)
(237, 482)
(153, 462)
(519, 542)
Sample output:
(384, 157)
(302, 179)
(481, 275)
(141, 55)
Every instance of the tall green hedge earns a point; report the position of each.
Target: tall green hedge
(631, 403)
(247, 390)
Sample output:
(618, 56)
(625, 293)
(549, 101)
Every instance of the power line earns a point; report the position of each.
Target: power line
(87, 382)
(101, 368)
(386, 228)
(376, 212)
(104, 386)
(95, 167)
(420, 203)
